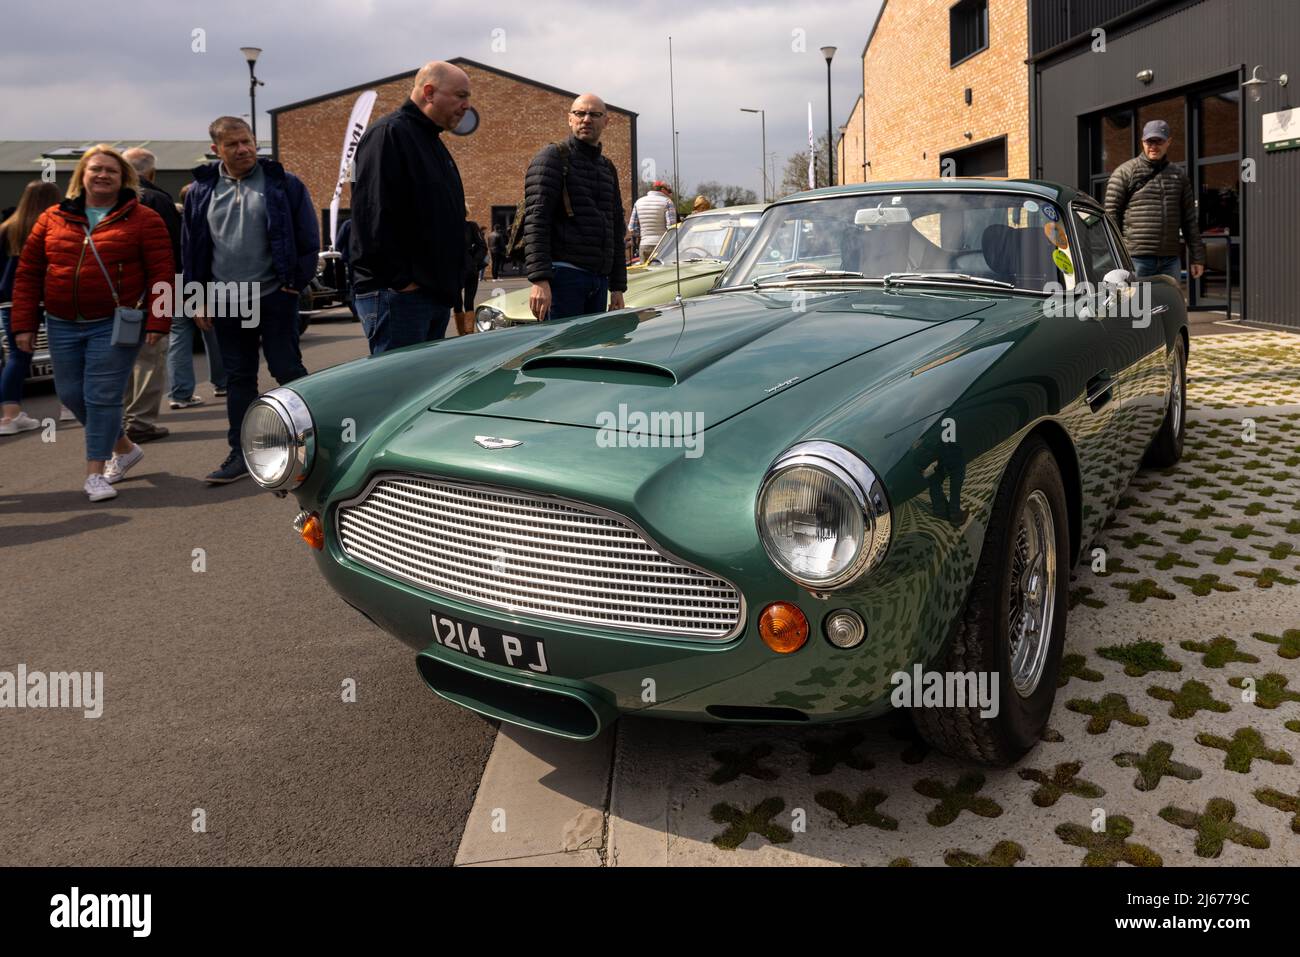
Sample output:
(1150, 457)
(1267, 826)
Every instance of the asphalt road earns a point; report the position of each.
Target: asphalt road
(223, 688)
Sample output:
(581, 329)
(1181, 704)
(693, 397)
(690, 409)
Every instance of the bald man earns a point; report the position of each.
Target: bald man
(573, 226)
(408, 215)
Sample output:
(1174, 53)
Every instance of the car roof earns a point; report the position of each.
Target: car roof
(732, 210)
(1057, 192)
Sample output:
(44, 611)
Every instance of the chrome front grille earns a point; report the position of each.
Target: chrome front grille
(532, 555)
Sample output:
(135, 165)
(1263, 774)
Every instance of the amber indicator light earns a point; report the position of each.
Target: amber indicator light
(784, 627)
(312, 531)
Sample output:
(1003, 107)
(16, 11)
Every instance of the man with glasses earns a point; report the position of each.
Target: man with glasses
(1150, 198)
(574, 225)
(408, 215)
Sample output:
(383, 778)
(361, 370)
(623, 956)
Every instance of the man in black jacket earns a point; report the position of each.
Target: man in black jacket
(1150, 198)
(573, 227)
(144, 390)
(408, 215)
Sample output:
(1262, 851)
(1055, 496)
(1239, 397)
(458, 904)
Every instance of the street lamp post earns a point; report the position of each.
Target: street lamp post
(828, 53)
(251, 54)
(762, 115)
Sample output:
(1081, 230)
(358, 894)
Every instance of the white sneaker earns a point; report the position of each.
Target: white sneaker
(22, 422)
(117, 467)
(65, 414)
(97, 488)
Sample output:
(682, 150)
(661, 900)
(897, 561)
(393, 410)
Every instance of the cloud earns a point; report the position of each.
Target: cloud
(65, 73)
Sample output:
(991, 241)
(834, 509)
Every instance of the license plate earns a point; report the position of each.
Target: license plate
(489, 644)
(40, 370)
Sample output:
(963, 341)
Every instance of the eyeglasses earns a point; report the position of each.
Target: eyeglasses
(583, 114)
(1155, 142)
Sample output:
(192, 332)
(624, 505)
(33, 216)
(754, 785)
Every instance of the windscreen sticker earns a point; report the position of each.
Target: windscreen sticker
(1062, 260)
(1055, 234)
(1050, 212)
(1030, 205)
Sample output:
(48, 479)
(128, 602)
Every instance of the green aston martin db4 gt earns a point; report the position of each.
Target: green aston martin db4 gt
(690, 257)
(854, 476)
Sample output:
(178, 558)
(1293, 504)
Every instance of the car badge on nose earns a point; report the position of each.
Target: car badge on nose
(492, 442)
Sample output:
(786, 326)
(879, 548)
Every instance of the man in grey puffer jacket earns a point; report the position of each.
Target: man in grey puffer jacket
(1150, 198)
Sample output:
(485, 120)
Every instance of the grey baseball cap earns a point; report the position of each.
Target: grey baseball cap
(1155, 130)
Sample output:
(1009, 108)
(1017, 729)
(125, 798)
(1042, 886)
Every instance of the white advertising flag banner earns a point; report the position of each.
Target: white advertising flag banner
(812, 179)
(356, 126)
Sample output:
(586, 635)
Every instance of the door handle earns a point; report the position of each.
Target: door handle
(1099, 390)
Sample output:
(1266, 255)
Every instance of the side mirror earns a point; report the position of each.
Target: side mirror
(1114, 284)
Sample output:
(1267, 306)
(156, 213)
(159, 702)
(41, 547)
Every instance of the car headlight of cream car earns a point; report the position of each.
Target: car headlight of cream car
(486, 318)
(278, 439)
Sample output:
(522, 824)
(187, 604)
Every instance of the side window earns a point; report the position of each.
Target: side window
(1117, 243)
(1096, 252)
(781, 246)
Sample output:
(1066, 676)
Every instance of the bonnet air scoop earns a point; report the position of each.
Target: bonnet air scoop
(587, 368)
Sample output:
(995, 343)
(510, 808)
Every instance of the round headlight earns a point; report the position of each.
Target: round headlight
(278, 439)
(487, 318)
(823, 516)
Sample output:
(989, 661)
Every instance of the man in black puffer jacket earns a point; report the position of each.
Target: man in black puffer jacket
(573, 227)
(1150, 198)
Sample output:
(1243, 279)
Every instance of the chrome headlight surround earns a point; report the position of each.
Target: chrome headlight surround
(301, 441)
(487, 318)
(864, 488)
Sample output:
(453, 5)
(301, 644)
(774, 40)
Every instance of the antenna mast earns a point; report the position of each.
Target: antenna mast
(677, 185)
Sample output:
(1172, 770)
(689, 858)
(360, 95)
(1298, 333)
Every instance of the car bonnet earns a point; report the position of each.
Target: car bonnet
(717, 355)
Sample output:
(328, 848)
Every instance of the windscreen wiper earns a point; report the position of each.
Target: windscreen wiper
(902, 278)
(808, 274)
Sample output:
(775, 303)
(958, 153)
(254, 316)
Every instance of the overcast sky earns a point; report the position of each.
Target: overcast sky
(84, 71)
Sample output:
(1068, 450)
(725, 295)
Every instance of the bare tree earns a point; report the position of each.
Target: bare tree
(723, 194)
(795, 177)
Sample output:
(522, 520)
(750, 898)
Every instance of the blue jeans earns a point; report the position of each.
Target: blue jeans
(1170, 266)
(180, 358)
(17, 365)
(90, 375)
(392, 320)
(576, 292)
(276, 333)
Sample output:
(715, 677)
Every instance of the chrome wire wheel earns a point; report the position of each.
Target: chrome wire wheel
(1176, 393)
(1033, 592)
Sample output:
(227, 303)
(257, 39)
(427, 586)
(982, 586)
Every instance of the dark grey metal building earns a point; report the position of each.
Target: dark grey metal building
(1100, 69)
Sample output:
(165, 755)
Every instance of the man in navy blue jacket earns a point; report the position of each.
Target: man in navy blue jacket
(408, 215)
(248, 222)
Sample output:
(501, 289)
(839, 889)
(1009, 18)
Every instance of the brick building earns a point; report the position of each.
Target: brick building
(518, 116)
(945, 81)
(851, 148)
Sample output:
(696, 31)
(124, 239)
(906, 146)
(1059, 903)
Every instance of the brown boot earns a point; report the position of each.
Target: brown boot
(464, 323)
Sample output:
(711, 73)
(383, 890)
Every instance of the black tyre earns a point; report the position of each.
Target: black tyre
(1013, 625)
(1167, 447)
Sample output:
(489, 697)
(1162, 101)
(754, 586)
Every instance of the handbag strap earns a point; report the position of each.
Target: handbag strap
(91, 243)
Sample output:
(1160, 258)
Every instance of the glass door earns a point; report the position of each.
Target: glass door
(1216, 179)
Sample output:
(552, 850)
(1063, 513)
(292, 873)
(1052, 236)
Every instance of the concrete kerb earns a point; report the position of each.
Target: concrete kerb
(541, 802)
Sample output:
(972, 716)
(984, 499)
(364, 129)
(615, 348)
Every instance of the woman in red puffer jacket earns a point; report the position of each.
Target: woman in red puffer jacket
(58, 266)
